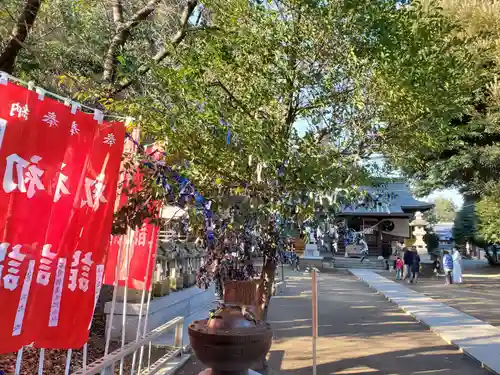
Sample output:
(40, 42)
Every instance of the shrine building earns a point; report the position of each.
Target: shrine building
(384, 219)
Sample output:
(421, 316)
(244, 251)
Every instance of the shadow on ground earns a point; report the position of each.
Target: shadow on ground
(478, 296)
(360, 332)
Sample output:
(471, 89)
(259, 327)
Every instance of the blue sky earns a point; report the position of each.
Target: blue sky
(452, 194)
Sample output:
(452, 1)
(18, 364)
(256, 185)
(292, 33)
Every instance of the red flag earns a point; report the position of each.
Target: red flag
(143, 248)
(60, 175)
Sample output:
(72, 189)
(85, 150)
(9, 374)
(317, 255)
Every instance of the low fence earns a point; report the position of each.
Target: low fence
(107, 364)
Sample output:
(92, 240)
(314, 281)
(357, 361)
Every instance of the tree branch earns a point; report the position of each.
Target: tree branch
(117, 12)
(164, 52)
(19, 34)
(123, 30)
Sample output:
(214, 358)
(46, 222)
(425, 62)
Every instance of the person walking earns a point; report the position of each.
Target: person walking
(415, 266)
(364, 249)
(457, 267)
(448, 267)
(296, 263)
(408, 261)
(399, 268)
(436, 268)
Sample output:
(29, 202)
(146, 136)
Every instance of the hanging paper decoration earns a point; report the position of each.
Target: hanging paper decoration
(60, 172)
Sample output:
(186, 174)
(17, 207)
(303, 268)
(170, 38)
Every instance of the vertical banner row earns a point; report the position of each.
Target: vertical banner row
(59, 174)
(142, 251)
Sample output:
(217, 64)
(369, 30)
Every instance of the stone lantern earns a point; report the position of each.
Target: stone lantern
(419, 232)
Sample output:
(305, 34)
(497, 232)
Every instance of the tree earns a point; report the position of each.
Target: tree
(222, 86)
(444, 211)
(229, 83)
(487, 210)
(457, 136)
(465, 225)
(431, 239)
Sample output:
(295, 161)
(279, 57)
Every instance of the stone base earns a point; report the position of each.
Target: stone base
(279, 287)
(311, 252)
(182, 303)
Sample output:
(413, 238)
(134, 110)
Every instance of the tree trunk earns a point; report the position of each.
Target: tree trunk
(164, 52)
(267, 278)
(123, 30)
(19, 34)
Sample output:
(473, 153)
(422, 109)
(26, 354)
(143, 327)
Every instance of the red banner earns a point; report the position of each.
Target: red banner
(143, 245)
(142, 248)
(60, 174)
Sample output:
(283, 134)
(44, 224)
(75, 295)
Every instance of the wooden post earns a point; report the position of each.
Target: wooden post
(314, 318)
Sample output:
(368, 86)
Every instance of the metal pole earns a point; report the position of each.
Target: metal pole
(68, 362)
(84, 359)
(314, 318)
(115, 291)
(41, 361)
(144, 330)
(130, 237)
(143, 296)
(18, 361)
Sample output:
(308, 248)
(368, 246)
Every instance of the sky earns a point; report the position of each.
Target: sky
(452, 194)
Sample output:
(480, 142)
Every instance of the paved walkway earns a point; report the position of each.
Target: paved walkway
(360, 332)
(478, 295)
(478, 339)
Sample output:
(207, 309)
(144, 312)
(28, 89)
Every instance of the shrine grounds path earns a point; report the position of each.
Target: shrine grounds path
(478, 295)
(360, 333)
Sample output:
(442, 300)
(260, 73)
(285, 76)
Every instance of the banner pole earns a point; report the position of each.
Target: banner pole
(41, 361)
(143, 296)
(145, 327)
(68, 362)
(130, 237)
(18, 361)
(84, 359)
(314, 318)
(115, 291)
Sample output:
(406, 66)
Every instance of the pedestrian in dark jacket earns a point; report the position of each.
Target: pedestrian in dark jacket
(408, 260)
(415, 266)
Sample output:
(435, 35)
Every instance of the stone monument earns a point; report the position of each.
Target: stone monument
(419, 232)
(311, 251)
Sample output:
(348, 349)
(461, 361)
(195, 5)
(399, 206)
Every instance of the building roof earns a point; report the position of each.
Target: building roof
(396, 198)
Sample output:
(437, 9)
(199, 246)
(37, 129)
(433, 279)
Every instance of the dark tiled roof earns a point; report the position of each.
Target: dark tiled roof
(397, 194)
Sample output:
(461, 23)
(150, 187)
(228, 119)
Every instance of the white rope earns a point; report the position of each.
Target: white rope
(5, 77)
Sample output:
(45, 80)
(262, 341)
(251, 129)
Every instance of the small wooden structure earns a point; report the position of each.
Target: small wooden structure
(248, 293)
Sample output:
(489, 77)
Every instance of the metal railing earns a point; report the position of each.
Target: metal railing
(106, 364)
(171, 235)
